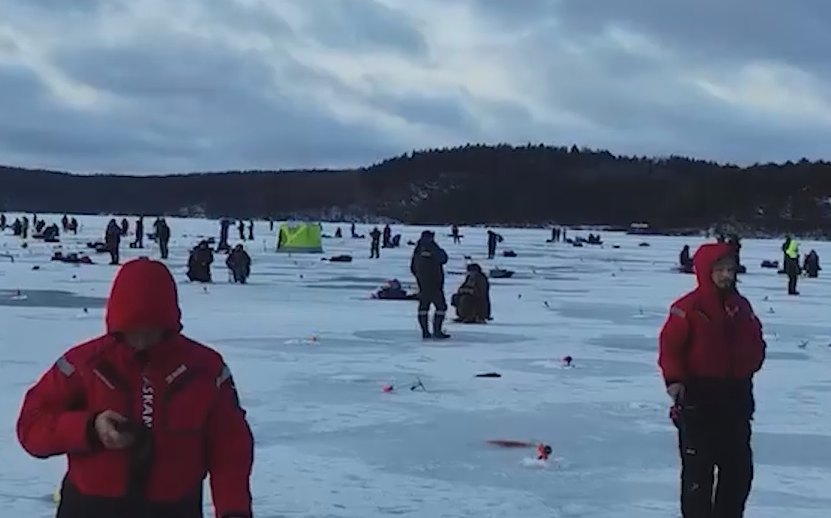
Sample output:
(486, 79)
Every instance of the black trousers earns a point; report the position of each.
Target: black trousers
(433, 297)
(716, 465)
(792, 280)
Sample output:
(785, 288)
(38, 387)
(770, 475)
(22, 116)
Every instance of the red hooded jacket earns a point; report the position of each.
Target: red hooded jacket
(181, 391)
(709, 335)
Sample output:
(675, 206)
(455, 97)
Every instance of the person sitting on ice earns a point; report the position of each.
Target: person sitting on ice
(199, 263)
(239, 262)
(393, 290)
(810, 265)
(685, 263)
(473, 300)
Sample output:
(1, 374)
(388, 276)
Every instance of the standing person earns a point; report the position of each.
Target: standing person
(710, 347)
(143, 413)
(792, 269)
(427, 265)
(139, 241)
(112, 238)
(375, 243)
(163, 237)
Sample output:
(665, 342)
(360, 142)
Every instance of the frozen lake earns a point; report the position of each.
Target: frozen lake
(311, 352)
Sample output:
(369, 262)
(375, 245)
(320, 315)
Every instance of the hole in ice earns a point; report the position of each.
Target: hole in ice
(49, 299)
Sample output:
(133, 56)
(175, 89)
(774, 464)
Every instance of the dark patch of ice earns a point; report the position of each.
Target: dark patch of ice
(53, 299)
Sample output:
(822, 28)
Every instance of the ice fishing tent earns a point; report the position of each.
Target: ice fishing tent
(299, 237)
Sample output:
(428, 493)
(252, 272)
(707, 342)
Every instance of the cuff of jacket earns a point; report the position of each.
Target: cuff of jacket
(92, 435)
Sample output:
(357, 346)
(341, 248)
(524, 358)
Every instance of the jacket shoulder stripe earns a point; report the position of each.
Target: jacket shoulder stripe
(678, 312)
(65, 367)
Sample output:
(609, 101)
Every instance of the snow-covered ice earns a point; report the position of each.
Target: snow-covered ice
(311, 354)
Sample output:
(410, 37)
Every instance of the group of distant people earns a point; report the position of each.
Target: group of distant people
(114, 233)
(49, 233)
(791, 267)
(790, 261)
(238, 261)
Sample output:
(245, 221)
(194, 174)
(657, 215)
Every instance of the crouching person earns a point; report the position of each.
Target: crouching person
(142, 413)
(199, 263)
(710, 348)
(239, 262)
(472, 300)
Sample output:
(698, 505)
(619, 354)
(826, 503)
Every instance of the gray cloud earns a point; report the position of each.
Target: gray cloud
(363, 26)
(153, 86)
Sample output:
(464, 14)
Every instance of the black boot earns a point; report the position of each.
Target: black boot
(425, 330)
(438, 320)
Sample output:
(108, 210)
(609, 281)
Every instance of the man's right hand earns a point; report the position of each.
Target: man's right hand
(676, 392)
(106, 427)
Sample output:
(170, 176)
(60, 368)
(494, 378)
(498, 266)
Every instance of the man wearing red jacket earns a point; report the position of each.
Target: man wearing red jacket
(142, 413)
(710, 347)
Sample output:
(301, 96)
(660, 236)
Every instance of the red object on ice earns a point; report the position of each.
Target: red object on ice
(543, 451)
(388, 388)
(505, 443)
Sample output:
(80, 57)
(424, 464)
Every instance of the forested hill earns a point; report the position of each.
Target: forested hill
(467, 185)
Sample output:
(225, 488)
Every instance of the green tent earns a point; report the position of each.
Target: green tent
(299, 238)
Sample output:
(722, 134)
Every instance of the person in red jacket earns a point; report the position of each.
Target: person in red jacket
(710, 347)
(142, 413)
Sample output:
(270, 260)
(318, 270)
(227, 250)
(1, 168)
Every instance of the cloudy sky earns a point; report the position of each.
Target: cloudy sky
(145, 86)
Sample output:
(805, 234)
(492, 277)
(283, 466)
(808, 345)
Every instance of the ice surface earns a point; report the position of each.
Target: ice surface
(311, 353)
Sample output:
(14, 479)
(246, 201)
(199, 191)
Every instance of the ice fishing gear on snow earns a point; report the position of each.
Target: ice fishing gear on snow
(416, 385)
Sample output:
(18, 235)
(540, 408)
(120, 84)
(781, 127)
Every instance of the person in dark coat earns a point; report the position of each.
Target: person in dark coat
(199, 263)
(112, 240)
(375, 244)
(386, 237)
(427, 266)
(143, 413)
(139, 241)
(711, 346)
(241, 230)
(454, 233)
(493, 240)
(162, 237)
(685, 263)
(224, 226)
(811, 264)
(473, 300)
(239, 262)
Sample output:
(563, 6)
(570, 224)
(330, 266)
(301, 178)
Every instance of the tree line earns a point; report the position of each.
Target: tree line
(472, 184)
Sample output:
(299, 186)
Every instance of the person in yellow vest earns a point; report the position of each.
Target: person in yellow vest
(791, 249)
